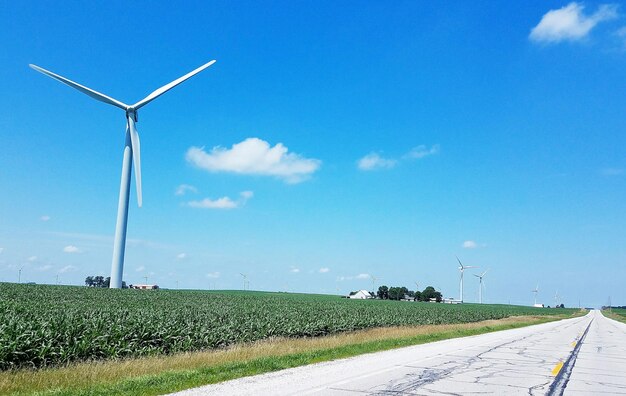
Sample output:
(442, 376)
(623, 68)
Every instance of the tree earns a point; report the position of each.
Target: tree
(394, 293)
(397, 293)
(383, 293)
(418, 295)
(429, 293)
(98, 281)
(101, 281)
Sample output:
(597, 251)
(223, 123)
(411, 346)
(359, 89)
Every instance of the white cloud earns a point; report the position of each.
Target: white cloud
(294, 270)
(45, 218)
(470, 245)
(222, 203)
(32, 258)
(44, 267)
(422, 151)
(71, 249)
(255, 157)
(359, 276)
(67, 268)
(185, 188)
(373, 161)
(140, 268)
(569, 23)
(324, 270)
(213, 275)
(181, 256)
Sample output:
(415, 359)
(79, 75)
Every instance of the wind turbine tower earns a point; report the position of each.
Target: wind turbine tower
(131, 155)
(374, 279)
(536, 290)
(556, 299)
(480, 286)
(461, 269)
(245, 280)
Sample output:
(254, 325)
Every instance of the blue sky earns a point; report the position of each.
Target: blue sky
(328, 144)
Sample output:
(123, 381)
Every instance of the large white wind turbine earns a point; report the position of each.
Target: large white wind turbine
(131, 151)
(480, 285)
(461, 269)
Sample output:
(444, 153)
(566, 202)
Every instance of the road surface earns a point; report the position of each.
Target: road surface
(580, 356)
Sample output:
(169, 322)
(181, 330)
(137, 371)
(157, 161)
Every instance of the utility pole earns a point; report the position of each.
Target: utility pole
(57, 279)
(146, 278)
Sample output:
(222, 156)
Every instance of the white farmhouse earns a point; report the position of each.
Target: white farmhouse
(144, 287)
(361, 295)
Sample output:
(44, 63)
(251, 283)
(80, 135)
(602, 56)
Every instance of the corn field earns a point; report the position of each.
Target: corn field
(43, 326)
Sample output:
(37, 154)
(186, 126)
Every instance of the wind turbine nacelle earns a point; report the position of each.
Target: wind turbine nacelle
(131, 112)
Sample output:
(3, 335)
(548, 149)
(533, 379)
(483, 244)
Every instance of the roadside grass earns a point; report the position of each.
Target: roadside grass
(164, 374)
(616, 313)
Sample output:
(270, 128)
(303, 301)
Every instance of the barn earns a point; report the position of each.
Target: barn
(361, 295)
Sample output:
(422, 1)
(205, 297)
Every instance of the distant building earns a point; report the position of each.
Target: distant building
(361, 295)
(144, 287)
(451, 301)
(538, 306)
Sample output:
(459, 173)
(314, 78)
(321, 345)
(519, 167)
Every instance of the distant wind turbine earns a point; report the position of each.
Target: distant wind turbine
(480, 286)
(374, 279)
(245, 280)
(131, 152)
(461, 269)
(556, 298)
(417, 286)
(536, 290)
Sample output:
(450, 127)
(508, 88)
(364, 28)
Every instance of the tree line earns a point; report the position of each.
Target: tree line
(101, 281)
(399, 293)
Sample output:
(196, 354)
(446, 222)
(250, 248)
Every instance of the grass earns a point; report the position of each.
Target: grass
(163, 374)
(618, 314)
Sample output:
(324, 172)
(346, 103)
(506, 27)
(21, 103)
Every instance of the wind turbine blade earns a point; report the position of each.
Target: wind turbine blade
(169, 86)
(134, 141)
(87, 91)
(461, 267)
(478, 276)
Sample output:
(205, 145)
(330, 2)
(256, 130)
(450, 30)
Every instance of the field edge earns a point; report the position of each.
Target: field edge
(163, 374)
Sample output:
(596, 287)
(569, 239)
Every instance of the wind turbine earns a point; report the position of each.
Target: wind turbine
(536, 290)
(245, 280)
(480, 286)
(131, 151)
(461, 269)
(374, 279)
(556, 299)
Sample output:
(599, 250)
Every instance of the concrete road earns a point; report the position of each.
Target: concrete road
(581, 356)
